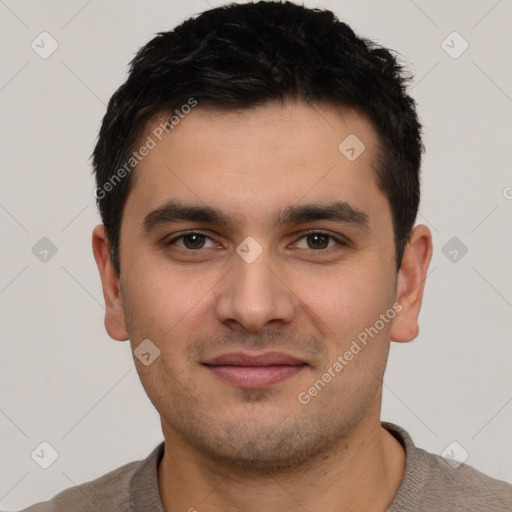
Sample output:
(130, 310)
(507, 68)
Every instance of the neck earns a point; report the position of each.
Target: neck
(362, 473)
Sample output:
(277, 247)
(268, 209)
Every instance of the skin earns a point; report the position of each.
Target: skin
(261, 449)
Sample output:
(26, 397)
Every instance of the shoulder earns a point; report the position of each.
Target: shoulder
(431, 482)
(108, 493)
(465, 487)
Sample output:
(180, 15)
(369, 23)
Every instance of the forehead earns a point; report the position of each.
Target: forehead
(255, 162)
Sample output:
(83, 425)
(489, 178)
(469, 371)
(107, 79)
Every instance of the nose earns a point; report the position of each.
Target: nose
(254, 294)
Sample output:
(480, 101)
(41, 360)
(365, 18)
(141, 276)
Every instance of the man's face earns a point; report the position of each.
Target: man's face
(307, 296)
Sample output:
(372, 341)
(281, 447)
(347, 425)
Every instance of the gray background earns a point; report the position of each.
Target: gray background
(64, 381)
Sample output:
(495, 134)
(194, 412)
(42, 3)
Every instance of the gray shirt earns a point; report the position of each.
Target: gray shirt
(429, 484)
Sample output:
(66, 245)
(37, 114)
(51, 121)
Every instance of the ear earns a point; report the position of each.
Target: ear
(114, 313)
(411, 283)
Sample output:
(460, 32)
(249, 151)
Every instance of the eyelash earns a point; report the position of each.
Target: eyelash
(339, 241)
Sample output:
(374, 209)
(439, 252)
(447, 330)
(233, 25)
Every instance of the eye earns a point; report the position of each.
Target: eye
(313, 240)
(318, 240)
(191, 241)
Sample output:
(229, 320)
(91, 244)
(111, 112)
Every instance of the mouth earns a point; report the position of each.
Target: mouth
(248, 371)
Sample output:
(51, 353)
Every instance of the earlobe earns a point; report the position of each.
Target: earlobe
(411, 284)
(114, 311)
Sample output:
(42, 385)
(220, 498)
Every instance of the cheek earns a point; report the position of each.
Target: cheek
(343, 300)
(166, 305)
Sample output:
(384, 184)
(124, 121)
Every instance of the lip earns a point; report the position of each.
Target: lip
(245, 359)
(251, 371)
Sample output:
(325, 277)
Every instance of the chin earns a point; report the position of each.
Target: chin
(256, 445)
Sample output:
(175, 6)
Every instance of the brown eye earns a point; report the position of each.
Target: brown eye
(191, 241)
(318, 241)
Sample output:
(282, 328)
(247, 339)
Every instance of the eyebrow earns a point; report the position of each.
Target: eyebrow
(172, 211)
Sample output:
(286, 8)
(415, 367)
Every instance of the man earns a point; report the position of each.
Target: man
(258, 181)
